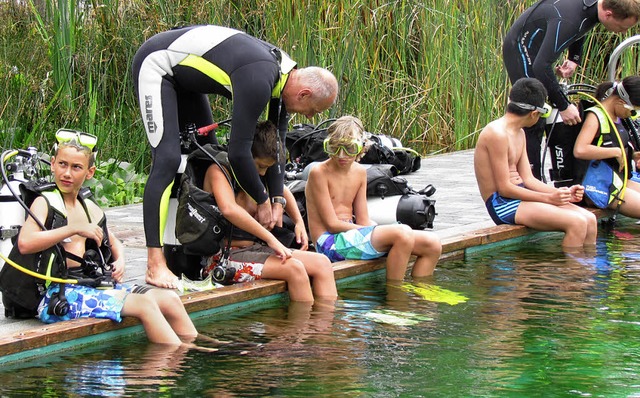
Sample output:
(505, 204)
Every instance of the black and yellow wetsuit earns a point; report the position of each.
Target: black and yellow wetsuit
(535, 42)
(174, 72)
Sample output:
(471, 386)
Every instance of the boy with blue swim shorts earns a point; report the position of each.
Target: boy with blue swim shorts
(502, 210)
(80, 227)
(508, 187)
(339, 223)
(354, 244)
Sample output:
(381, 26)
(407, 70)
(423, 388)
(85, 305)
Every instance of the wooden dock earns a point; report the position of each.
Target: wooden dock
(462, 222)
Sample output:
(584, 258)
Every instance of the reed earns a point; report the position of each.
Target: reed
(429, 72)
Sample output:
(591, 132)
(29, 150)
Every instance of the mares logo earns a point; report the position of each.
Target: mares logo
(148, 109)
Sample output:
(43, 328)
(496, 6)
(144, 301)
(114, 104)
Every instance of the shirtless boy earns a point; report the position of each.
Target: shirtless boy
(510, 191)
(339, 222)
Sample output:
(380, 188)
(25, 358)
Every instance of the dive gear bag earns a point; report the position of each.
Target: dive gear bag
(200, 225)
(305, 146)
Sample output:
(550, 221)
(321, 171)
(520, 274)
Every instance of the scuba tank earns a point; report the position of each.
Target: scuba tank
(21, 169)
(417, 211)
(12, 216)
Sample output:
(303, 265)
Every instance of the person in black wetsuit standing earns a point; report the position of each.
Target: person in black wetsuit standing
(542, 33)
(175, 71)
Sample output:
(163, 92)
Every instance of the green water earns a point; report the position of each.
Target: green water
(537, 323)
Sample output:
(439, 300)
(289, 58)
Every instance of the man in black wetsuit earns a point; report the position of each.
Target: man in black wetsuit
(175, 71)
(542, 33)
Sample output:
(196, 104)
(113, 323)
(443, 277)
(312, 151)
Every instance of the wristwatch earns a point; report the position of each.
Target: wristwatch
(279, 199)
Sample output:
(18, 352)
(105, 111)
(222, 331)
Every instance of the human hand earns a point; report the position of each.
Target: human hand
(276, 214)
(117, 273)
(281, 251)
(90, 231)
(301, 236)
(577, 192)
(620, 160)
(561, 196)
(264, 216)
(566, 69)
(570, 116)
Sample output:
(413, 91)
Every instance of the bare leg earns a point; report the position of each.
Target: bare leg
(427, 248)
(157, 272)
(174, 312)
(631, 205)
(398, 241)
(545, 217)
(144, 307)
(320, 271)
(293, 272)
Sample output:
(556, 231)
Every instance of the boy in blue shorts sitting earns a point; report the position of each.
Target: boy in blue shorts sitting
(83, 225)
(339, 222)
(507, 185)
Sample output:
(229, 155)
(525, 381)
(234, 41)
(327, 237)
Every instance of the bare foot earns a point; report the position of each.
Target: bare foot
(160, 276)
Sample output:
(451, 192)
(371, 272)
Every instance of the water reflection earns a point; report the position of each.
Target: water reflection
(537, 322)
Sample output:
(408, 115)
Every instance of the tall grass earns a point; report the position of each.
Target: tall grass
(429, 72)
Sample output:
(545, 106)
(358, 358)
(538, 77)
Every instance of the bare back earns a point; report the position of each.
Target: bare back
(499, 153)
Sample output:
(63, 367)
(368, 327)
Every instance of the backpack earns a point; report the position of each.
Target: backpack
(22, 293)
(305, 146)
(382, 181)
(388, 150)
(200, 225)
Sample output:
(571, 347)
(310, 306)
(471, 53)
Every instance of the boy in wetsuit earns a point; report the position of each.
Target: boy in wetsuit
(160, 311)
(510, 191)
(339, 222)
(542, 33)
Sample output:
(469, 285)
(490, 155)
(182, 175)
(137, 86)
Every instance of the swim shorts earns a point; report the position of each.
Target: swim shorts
(502, 210)
(354, 244)
(248, 261)
(89, 302)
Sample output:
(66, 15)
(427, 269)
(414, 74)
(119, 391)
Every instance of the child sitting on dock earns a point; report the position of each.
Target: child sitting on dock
(81, 228)
(339, 223)
(507, 185)
(599, 141)
(255, 252)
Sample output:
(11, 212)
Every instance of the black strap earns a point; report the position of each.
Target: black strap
(226, 251)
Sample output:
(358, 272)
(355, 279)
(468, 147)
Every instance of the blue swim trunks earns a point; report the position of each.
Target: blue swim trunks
(89, 302)
(502, 210)
(354, 244)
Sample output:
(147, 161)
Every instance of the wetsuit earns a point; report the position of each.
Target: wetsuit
(174, 72)
(535, 42)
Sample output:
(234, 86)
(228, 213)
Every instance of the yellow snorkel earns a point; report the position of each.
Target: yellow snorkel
(37, 275)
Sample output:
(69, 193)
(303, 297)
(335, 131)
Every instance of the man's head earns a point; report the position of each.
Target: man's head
(266, 148)
(73, 160)
(618, 15)
(310, 91)
(345, 137)
(526, 97)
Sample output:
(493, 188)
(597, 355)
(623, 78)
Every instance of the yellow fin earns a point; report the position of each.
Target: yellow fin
(434, 293)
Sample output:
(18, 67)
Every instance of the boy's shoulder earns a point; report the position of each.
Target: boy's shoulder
(94, 210)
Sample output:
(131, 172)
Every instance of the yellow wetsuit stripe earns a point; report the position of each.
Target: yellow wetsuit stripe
(164, 211)
(208, 69)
